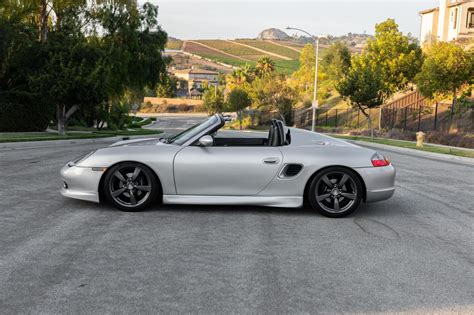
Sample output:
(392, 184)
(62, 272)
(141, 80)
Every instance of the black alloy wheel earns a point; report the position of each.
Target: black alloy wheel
(130, 186)
(335, 192)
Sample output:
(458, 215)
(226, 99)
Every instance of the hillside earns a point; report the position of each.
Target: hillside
(274, 43)
(237, 53)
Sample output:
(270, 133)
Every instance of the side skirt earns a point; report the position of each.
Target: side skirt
(264, 201)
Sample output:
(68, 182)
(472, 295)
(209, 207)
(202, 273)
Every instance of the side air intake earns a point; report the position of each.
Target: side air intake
(291, 170)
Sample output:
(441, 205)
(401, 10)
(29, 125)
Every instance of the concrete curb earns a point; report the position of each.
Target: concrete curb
(431, 155)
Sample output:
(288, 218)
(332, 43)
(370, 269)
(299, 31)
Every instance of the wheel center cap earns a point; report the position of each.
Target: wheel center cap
(335, 192)
(130, 186)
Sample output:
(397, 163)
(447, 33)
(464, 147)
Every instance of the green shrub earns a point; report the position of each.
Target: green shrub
(20, 111)
(119, 114)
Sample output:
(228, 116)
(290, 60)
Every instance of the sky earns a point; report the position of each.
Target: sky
(229, 19)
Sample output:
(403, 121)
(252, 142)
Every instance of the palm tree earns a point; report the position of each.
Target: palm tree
(240, 76)
(265, 66)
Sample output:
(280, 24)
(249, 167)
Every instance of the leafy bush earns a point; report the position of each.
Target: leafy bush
(119, 114)
(246, 123)
(452, 139)
(21, 111)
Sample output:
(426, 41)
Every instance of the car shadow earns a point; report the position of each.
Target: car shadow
(373, 210)
(365, 210)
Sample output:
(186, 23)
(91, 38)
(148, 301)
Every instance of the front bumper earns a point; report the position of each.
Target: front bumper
(379, 182)
(81, 183)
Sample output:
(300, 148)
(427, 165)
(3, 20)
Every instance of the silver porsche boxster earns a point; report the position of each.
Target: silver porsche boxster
(287, 167)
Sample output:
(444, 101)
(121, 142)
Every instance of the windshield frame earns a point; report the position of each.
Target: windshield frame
(189, 135)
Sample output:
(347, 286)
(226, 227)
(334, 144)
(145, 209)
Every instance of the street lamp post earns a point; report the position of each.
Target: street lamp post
(315, 104)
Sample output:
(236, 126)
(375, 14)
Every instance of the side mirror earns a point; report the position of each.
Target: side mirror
(206, 141)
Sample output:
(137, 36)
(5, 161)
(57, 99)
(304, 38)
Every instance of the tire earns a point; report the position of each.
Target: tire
(335, 192)
(131, 187)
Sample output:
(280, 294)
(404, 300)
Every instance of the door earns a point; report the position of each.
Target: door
(225, 171)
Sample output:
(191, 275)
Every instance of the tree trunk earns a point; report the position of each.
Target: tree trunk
(61, 117)
(43, 21)
(370, 126)
(369, 120)
(240, 119)
(453, 108)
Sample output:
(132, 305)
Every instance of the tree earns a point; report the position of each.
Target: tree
(393, 53)
(71, 76)
(273, 93)
(388, 64)
(213, 100)
(336, 61)
(241, 77)
(445, 70)
(88, 70)
(264, 66)
(17, 48)
(168, 86)
(134, 42)
(303, 79)
(363, 86)
(237, 101)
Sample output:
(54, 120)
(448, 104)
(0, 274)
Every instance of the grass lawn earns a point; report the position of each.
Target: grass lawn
(43, 136)
(410, 145)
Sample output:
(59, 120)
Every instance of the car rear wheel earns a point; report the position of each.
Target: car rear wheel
(335, 192)
(130, 186)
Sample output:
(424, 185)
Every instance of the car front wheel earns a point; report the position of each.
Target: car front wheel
(335, 192)
(130, 186)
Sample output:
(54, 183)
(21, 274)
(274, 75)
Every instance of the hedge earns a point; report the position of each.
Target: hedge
(20, 111)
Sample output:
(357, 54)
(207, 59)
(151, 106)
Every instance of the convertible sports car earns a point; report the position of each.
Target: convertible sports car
(206, 165)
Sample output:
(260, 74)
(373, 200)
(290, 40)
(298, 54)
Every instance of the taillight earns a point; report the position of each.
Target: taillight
(378, 160)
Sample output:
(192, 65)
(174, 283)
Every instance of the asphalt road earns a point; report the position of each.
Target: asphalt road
(414, 252)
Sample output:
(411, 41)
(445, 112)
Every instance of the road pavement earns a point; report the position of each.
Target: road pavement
(414, 252)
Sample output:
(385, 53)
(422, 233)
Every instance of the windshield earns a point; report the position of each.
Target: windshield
(189, 133)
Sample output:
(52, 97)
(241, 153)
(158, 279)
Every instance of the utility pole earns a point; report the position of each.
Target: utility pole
(315, 104)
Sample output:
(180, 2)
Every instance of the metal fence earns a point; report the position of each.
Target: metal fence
(413, 118)
(411, 112)
(427, 118)
(336, 118)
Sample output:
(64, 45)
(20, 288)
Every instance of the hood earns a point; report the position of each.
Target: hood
(137, 142)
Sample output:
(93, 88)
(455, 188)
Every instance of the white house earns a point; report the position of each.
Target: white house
(197, 77)
(453, 20)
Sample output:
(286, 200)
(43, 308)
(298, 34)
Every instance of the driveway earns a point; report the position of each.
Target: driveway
(414, 252)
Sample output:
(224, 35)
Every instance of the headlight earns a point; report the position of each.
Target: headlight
(79, 159)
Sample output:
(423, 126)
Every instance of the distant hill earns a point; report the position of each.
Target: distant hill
(273, 34)
(283, 49)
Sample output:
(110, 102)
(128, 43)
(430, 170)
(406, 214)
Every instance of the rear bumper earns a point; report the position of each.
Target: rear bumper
(81, 183)
(379, 195)
(379, 182)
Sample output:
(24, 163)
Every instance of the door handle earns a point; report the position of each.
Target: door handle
(271, 160)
